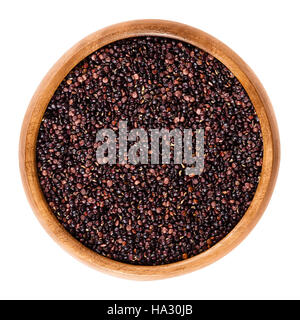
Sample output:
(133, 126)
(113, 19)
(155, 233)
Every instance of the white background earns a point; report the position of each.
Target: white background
(34, 34)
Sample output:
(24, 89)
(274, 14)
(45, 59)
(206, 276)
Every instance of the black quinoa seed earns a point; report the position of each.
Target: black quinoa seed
(149, 214)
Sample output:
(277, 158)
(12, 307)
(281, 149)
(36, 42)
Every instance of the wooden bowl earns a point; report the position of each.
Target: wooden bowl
(56, 75)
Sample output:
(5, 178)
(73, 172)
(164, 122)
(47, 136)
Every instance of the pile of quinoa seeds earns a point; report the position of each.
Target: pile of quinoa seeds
(149, 214)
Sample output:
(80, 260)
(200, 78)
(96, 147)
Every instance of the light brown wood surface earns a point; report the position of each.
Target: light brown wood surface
(45, 91)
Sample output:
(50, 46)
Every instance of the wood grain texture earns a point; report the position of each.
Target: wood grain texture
(43, 94)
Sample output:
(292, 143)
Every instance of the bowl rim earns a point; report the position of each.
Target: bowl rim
(46, 89)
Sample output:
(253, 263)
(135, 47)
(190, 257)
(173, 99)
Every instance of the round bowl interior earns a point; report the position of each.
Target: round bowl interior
(56, 75)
